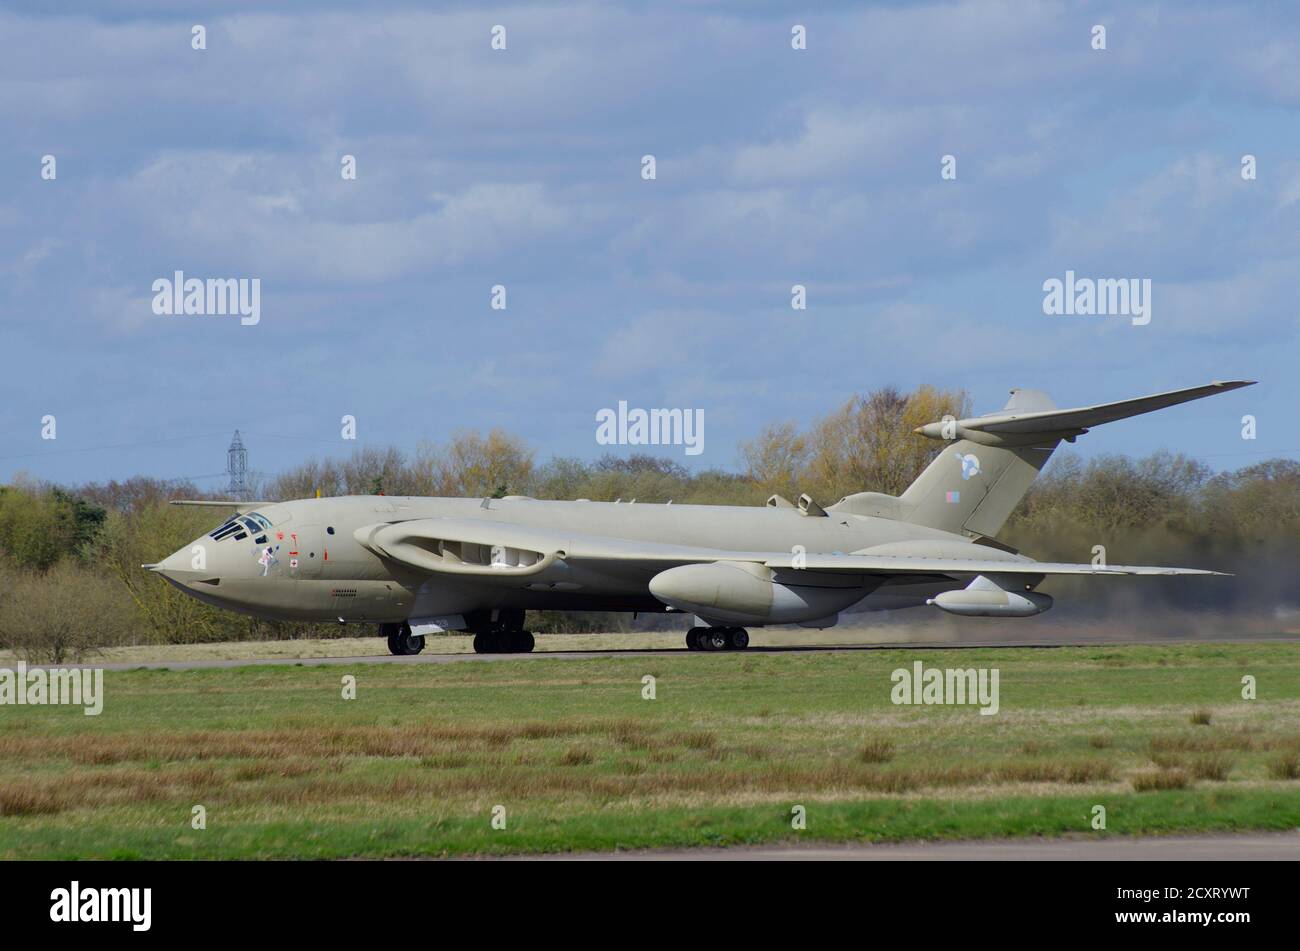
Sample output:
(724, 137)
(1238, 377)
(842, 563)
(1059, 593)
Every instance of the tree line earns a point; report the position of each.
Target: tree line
(70, 579)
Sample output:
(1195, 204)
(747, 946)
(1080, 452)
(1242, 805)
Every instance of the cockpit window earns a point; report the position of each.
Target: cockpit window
(226, 530)
(241, 526)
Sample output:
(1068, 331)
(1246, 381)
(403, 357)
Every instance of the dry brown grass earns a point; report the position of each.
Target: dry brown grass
(1155, 780)
(299, 783)
(1285, 766)
(1168, 760)
(288, 769)
(575, 756)
(1200, 718)
(109, 786)
(413, 739)
(1206, 742)
(876, 749)
(30, 800)
(1212, 766)
(694, 739)
(1083, 771)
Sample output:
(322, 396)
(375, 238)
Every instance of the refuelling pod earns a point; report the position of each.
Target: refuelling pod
(984, 597)
(739, 592)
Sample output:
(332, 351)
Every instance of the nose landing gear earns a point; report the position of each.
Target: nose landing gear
(400, 639)
(717, 639)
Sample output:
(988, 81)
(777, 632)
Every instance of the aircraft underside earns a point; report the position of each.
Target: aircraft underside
(502, 629)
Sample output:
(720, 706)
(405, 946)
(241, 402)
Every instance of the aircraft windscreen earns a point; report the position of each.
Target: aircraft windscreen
(240, 527)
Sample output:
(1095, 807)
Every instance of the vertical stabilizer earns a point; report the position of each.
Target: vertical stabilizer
(989, 462)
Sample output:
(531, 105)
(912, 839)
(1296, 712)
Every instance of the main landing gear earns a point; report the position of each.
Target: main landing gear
(504, 642)
(400, 639)
(504, 635)
(717, 639)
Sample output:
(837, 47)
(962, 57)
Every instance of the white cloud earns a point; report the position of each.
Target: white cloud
(252, 212)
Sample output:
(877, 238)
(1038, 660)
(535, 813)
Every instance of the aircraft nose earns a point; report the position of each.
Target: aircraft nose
(185, 566)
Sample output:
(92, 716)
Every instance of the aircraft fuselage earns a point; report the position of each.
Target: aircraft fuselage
(317, 570)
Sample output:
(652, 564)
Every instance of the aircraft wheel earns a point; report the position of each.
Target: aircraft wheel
(403, 643)
(504, 642)
(515, 642)
(715, 639)
(693, 639)
(737, 639)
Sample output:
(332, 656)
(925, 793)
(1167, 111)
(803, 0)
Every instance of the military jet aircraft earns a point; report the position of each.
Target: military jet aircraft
(415, 566)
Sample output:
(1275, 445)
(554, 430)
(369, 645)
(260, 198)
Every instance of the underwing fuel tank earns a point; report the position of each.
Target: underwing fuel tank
(984, 597)
(751, 593)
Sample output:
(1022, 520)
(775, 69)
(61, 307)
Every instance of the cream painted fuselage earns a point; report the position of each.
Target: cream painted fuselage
(303, 560)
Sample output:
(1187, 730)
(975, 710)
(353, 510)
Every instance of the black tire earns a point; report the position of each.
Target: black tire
(481, 644)
(716, 639)
(390, 632)
(737, 639)
(526, 642)
(403, 643)
(693, 639)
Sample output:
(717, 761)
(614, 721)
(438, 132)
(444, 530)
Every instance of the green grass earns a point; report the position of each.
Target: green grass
(414, 766)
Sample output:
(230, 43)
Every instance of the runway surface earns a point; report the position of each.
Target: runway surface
(1256, 847)
(466, 657)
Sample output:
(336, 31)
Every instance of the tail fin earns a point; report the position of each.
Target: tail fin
(990, 461)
